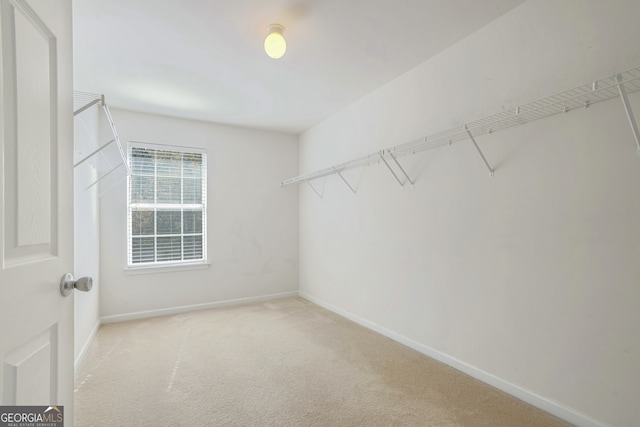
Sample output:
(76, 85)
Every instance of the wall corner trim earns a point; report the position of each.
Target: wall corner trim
(550, 406)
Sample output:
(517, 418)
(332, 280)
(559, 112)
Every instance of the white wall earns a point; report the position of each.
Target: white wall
(86, 234)
(252, 223)
(529, 278)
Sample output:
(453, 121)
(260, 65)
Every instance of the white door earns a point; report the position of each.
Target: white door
(36, 203)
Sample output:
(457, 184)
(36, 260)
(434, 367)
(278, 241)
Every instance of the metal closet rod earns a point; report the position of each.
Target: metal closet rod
(618, 85)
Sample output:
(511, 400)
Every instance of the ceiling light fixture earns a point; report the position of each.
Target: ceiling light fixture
(274, 44)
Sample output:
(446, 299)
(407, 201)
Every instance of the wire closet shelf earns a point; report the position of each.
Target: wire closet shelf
(82, 101)
(618, 85)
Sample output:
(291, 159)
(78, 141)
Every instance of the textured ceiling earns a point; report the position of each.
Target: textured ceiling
(204, 60)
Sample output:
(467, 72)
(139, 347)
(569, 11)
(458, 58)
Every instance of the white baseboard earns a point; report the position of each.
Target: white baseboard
(85, 347)
(548, 405)
(186, 308)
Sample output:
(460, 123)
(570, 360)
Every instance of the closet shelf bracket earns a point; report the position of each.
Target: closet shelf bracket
(484, 159)
(395, 159)
(97, 150)
(104, 176)
(345, 181)
(382, 153)
(89, 105)
(629, 111)
(107, 113)
(314, 189)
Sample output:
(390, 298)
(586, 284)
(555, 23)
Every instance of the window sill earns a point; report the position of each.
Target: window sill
(155, 269)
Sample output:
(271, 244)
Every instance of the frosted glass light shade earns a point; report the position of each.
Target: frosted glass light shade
(274, 44)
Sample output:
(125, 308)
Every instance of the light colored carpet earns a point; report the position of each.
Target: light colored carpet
(280, 363)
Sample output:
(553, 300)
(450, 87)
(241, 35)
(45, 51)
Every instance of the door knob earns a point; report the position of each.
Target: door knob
(68, 283)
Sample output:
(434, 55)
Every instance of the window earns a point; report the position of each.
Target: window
(166, 205)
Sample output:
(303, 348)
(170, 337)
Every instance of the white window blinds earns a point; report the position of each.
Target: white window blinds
(167, 205)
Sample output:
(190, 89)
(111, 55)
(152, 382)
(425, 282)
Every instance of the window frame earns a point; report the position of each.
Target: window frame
(155, 206)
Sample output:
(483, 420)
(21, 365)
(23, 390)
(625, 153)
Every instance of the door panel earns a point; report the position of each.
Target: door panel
(36, 205)
(29, 371)
(29, 58)
(35, 77)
